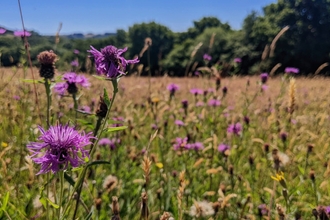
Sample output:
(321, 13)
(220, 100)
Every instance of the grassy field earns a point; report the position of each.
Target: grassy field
(262, 153)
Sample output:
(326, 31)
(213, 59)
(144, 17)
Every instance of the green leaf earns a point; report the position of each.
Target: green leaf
(89, 216)
(43, 201)
(97, 162)
(4, 204)
(112, 129)
(69, 179)
(301, 170)
(106, 98)
(99, 77)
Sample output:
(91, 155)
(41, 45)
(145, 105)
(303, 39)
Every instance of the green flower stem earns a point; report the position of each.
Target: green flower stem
(75, 105)
(49, 101)
(81, 177)
(61, 177)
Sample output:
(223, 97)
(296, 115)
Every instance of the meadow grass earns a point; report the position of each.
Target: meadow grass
(276, 167)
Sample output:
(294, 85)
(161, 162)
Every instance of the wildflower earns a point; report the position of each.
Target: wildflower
(207, 57)
(246, 120)
(264, 77)
(110, 183)
(224, 91)
(74, 63)
(196, 91)
(197, 73)
(235, 128)
(280, 178)
(22, 34)
(47, 60)
(184, 104)
(16, 97)
(179, 123)
(264, 87)
(214, 102)
(280, 159)
(199, 104)
(72, 79)
(154, 127)
(110, 62)
(291, 70)
(2, 31)
(172, 88)
(63, 145)
(201, 209)
(197, 146)
(180, 143)
(237, 60)
(118, 119)
(284, 136)
(76, 51)
(85, 108)
(263, 210)
(223, 148)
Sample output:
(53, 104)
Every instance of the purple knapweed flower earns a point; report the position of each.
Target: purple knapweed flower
(110, 62)
(184, 103)
(74, 63)
(222, 148)
(263, 210)
(264, 77)
(154, 127)
(237, 60)
(291, 70)
(207, 57)
(112, 143)
(180, 143)
(2, 31)
(60, 146)
(224, 90)
(195, 91)
(264, 87)
(199, 104)
(118, 120)
(179, 123)
(75, 51)
(197, 146)
(214, 102)
(72, 79)
(172, 88)
(85, 108)
(235, 128)
(197, 73)
(246, 120)
(22, 34)
(16, 97)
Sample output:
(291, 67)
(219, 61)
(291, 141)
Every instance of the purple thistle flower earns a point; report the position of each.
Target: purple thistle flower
(76, 51)
(85, 108)
(112, 143)
(291, 70)
(184, 103)
(118, 119)
(214, 102)
(197, 146)
(237, 60)
(207, 57)
(72, 79)
(222, 148)
(180, 143)
(2, 31)
(22, 34)
(179, 123)
(74, 63)
(110, 61)
(264, 77)
(246, 120)
(264, 87)
(199, 104)
(263, 210)
(224, 90)
(61, 146)
(16, 97)
(173, 88)
(197, 73)
(154, 127)
(195, 91)
(235, 128)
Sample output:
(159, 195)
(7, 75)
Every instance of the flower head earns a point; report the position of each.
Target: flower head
(264, 77)
(112, 143)
(110, 62)
(235, 128)
(237, 60)
(180, 143)
(201, 209)
(184, 103)
(172, 88)
(75, 51)
(179, 123)
(207, 57)
(61, 145)
(291, 70)
(22, 34)
(72, 79)
(195, 91)
(214, 102)
(2, 31)
(74, 63)
(223, 148)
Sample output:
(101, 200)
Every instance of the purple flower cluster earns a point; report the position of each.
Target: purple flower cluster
(196, 92)
(72, 79)
(194, 146)
(22, 34)
(291, 70)
(110, 62)
(264, 77)
(173, 88)
(207, 57)
(112, 143)
(235, 128)
(179, 123)
(2, 31)
(214, 102)
(223, 148)
(180, 143)
(59, 146)
(74, 63)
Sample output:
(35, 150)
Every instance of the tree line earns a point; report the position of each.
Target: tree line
(291, 33)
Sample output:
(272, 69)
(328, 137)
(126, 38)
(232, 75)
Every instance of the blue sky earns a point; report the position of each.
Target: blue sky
(100, 16)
